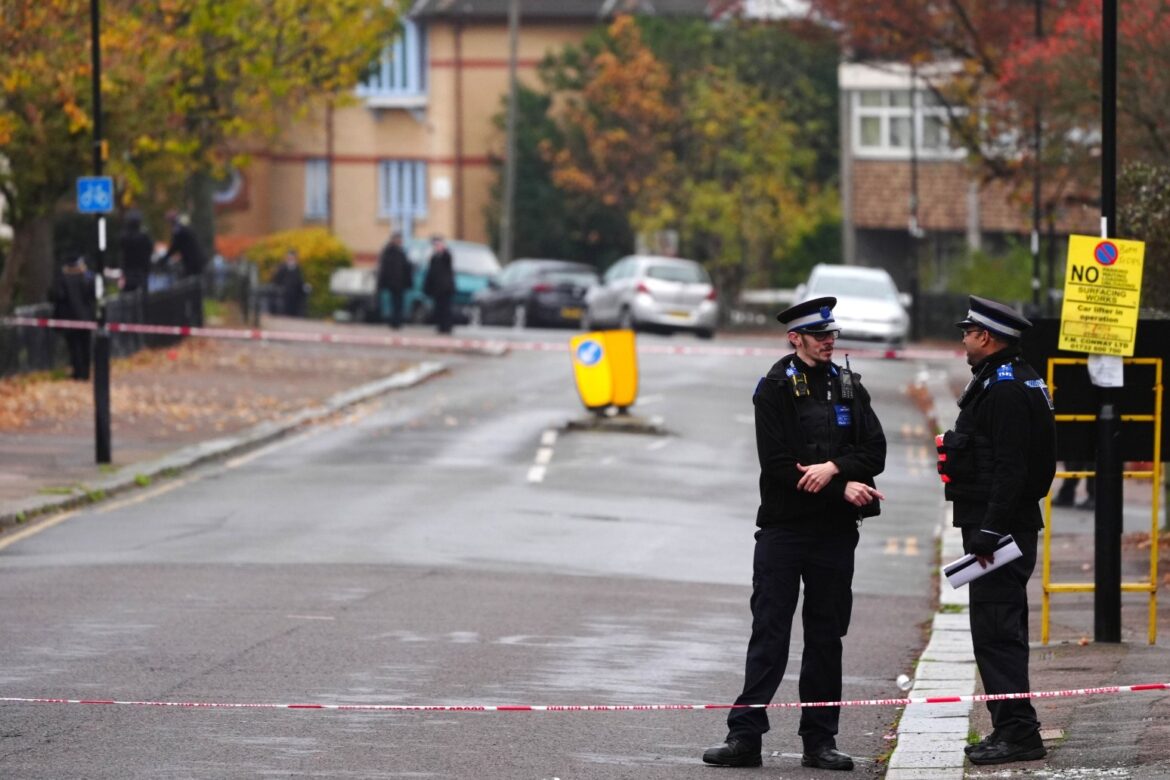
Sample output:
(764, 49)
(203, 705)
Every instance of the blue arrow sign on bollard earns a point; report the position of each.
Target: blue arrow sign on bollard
(95, 194)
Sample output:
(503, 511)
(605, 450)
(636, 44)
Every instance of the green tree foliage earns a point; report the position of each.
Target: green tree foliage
(551, 222)
(687, 142)
(1143, 213)
(185, 83)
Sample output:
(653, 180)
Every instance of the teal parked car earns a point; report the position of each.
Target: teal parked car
(474, 265)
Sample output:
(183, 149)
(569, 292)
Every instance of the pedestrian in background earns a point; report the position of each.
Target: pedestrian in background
(290, 285)
(999, 463)
(820, 446)
(439, 283)
(185, 245)
(73, 297)
(393, 279)
(137, 251)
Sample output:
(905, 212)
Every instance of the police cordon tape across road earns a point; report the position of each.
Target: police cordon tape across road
(979, 697)
(493, 346)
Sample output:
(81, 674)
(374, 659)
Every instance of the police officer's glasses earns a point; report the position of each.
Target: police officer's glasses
(968, 331)
(824, 335)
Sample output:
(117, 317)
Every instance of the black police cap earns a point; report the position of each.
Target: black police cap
(994, 316)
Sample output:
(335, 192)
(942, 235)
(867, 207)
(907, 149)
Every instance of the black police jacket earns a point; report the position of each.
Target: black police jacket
(1001, 455)
(794, 426)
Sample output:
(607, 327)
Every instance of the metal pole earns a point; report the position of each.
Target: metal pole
(1036, 149)
(508, 212)
(1108, 519)
(101, 336)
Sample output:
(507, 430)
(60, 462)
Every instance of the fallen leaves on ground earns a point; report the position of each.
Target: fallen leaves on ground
(197, 386)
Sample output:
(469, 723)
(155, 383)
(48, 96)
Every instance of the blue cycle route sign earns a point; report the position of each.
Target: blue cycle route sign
(95, 194)
(589, 352)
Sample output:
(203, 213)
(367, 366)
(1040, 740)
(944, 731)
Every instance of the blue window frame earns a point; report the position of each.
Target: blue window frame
(400, 71)
(402, 193)
(317, 188)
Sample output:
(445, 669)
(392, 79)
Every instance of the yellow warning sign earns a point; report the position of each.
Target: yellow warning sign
(1102, 288)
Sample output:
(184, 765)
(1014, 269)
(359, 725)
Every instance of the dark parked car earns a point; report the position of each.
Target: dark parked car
(535, 292)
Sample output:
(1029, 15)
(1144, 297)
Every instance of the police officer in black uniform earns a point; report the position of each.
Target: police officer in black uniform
(820, 446)
(999, 463)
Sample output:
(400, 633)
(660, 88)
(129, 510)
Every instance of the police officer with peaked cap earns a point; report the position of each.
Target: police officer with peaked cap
(999, 462)
(820, 447)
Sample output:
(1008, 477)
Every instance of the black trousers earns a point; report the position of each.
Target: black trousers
(999, 633)
(78, 343)
(443, 314)
(394, 314)
(785, 557)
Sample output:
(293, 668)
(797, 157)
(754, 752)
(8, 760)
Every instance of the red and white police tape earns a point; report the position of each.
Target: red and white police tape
(1060, 694)
(495, 346)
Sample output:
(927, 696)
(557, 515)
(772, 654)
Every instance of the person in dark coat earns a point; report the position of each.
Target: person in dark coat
(137, 251)
(820, 447)
(290, 285)
(393, 279)
(185, 245)
(440, 283)
(73, 297)
(999, 463)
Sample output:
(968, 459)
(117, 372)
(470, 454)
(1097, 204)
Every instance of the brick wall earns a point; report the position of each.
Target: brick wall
(881, 199)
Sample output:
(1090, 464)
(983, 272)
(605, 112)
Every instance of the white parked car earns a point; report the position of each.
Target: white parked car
(648, 292)
(869, 306)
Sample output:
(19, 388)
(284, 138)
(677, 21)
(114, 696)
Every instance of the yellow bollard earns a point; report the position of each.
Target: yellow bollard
(623, 364)
(591, 370)
(605, 367)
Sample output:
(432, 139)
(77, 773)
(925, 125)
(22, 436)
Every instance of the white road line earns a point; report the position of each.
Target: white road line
(536, 474)
(658, 444)
(543, 456)
(548, 438)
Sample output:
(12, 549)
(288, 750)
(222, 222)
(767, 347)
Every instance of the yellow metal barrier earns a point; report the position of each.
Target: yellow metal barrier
(1154, 475)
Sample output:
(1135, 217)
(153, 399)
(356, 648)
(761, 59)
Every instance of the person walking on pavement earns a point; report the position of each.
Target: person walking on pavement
(290, 285)
(73, 297)
(185, 245)
(393, 279)
(439, 283)
(820, 446)
(997, 464)
(137, 251)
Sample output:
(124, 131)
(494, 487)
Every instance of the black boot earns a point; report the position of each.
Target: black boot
(736, 751)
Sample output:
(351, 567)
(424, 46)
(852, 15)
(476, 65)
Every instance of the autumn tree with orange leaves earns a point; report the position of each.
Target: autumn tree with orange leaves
(184, 83)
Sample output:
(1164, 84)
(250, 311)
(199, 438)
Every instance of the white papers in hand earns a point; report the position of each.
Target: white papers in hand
(967, 568)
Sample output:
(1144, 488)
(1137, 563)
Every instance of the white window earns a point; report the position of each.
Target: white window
(399, 74)
(402, 193)
(885, 124)
(317, 188)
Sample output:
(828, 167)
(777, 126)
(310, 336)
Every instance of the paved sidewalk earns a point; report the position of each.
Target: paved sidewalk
(1122, 735)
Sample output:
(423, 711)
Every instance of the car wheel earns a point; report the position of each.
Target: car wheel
(705, 333)
(475, 316)
(520, 316)
(626, 320)
(418, 314)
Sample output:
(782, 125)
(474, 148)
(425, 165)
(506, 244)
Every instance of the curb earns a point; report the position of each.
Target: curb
(130, 476)
(931, 737)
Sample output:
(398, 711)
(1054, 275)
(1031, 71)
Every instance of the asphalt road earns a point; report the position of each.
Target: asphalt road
(449, 544)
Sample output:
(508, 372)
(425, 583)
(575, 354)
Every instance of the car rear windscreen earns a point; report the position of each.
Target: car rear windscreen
(682, 272)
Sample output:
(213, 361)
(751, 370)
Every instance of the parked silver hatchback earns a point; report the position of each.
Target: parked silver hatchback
(648, 292)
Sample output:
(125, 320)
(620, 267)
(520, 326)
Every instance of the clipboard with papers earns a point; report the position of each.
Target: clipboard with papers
(962, 570)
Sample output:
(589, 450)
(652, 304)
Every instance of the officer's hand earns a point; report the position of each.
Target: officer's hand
(816, 476)
(860, 494)
(982, 546)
